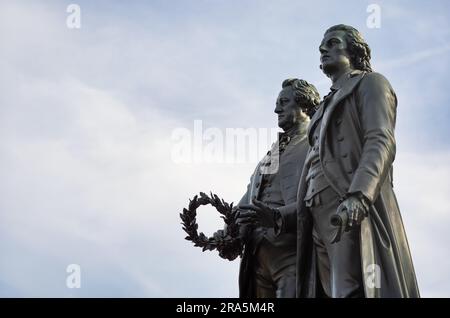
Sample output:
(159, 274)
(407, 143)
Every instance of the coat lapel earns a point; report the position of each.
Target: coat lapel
(294, 141)
(256, 179)
(291, 150)
(343, 92)
(314, 120)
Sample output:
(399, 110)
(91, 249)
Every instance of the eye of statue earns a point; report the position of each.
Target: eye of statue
(333, 42)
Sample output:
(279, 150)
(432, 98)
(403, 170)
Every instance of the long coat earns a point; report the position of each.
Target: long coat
(357, 150)
(290, 169)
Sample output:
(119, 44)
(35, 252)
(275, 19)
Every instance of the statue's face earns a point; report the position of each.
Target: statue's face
(334, 56)
(289, 113)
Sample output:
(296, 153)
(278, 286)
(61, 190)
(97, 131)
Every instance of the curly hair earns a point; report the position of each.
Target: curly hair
(358, 49)
(305, 94)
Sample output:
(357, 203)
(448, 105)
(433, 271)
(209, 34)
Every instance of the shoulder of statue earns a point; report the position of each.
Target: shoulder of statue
(374, 80)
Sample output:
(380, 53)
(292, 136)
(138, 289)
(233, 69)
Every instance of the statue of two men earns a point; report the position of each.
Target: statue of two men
(339, 161)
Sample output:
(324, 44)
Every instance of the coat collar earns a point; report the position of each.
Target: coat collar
(346, 88)
(296, 135)
(343, 79)
(333, 89)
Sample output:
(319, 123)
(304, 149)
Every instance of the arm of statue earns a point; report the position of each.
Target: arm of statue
(286, 220)
(377, 108)
(378, 103)
(282, 219)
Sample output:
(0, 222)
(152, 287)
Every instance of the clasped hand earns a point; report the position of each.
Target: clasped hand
(357, 208)
(256, 213)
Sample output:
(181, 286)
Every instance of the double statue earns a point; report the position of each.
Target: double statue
(324, 222)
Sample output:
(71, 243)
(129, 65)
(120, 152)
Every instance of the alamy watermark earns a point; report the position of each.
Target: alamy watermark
(73, 20)
(73, 280)
(374, 19)
(372, 275)
(228, 146)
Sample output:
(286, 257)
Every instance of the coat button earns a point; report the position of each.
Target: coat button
(338, 121)
(350, 172)
(258, 184)
(344, 155)
(340, 138)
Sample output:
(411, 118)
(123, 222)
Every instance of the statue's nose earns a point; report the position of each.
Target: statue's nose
(278, 109)
(322, 49)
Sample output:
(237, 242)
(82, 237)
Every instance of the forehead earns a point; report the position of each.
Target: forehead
(334, 35)
(286, 92)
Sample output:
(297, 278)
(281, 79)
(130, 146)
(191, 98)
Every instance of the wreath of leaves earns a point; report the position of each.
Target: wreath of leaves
(225, 241)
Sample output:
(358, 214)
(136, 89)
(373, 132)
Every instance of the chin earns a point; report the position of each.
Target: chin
(328, 69)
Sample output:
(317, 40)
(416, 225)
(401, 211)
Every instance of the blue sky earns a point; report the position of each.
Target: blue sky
(86, 118)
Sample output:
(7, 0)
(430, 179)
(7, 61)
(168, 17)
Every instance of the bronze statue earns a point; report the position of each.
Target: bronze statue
(348, 170)
(340, 233)
(268, 266)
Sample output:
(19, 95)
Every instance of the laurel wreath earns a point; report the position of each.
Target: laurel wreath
(226, 241)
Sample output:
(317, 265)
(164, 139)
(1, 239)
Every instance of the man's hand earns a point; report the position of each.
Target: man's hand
(357, 208)
(257, 212)
(220, 234)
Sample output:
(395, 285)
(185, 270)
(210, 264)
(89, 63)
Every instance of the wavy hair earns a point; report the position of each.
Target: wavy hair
(305, 94)
(358, 49)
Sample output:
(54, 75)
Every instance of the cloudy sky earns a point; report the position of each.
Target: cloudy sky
(87, 118)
